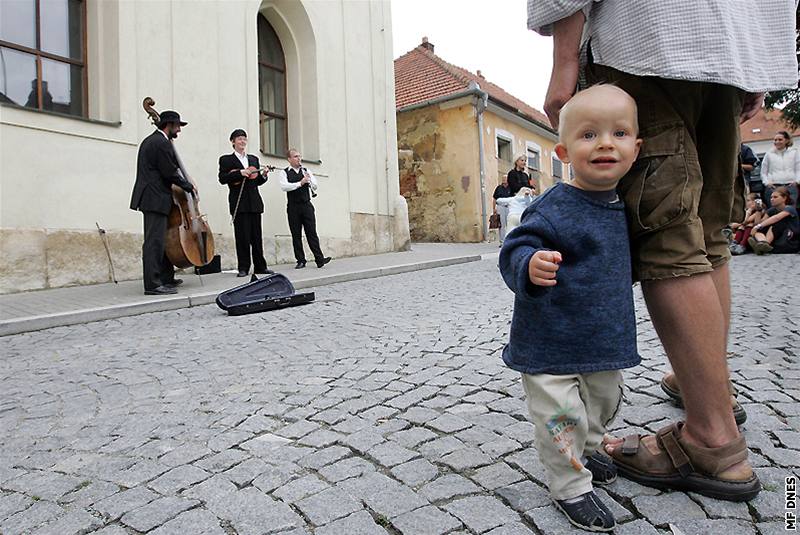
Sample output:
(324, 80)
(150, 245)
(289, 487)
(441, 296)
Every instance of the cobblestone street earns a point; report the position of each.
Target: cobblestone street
(384, 407)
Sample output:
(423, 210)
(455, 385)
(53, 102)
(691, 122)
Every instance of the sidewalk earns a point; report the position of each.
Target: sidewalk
(42, 309)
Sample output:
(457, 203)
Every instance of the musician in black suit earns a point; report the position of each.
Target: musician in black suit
(245, 203)
(299, 186)
(156, 171)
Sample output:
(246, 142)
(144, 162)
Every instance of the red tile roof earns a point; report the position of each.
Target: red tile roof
(767, 124)
(421, 75)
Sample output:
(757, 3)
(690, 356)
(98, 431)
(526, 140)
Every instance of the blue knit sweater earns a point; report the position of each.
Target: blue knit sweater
(586, 322)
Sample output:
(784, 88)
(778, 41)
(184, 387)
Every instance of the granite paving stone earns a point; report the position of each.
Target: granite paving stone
(360, 523)
(415, 473)
(117, 505)
(396, 401)
(196, 522)
(178, 479)
(481, 513)
(157, 512)
(327, 506)
(447, 486)
(426, 521)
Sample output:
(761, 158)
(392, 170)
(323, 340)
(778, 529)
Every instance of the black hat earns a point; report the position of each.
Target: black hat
(170, 116)
(238, 132)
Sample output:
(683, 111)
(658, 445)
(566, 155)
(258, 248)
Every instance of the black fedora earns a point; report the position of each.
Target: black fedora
(238, 132)
(170, 116)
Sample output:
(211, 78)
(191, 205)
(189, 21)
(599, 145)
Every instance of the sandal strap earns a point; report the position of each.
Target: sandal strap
(669, 442)
(630, 444)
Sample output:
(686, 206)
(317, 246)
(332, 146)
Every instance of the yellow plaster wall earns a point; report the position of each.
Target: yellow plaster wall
(440, 172)
(495, 167)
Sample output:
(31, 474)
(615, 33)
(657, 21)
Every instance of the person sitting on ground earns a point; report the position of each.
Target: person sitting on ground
(515, 206)
(754, 213)
(585, 326)
(780, 232)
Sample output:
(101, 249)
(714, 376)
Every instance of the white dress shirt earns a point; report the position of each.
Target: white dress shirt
(291, 186)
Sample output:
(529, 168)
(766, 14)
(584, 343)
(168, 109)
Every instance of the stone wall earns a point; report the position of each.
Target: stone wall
(440, 172)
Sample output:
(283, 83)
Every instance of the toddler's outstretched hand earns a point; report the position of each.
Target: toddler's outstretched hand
(543, 266)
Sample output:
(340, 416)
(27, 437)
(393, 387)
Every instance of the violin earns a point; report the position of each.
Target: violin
(189, 240)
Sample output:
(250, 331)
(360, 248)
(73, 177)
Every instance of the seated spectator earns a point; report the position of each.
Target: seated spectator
(780, 232)
(754, 214)
(516, 205)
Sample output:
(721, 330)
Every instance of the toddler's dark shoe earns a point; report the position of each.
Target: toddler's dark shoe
(603, 469)
(587, 512)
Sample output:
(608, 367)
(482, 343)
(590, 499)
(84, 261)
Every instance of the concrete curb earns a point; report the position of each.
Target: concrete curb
(47, 321)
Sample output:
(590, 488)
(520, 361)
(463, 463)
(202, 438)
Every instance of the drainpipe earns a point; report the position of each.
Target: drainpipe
(481, 101)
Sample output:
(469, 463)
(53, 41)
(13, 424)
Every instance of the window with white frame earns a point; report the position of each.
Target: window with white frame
(558, 169)
(43, 55)
(534, 158)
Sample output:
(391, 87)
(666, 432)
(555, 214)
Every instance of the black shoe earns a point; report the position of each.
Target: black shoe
(324, 261)
(241, 274)
(174, 283)
(264, 272)
(300, 264)
(603, 469)
(588, 513)
(161, 290)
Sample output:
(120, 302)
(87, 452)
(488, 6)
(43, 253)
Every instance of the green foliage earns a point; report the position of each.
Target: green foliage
(789, 99)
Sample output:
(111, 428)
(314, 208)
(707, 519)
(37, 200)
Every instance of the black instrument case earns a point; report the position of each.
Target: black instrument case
(268, 293)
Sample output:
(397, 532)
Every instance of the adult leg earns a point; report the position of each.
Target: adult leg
(310, 227)
(155, 230)
(689, 317)
(241, 234)
(503, 211)
(295, 215)
(257, 244)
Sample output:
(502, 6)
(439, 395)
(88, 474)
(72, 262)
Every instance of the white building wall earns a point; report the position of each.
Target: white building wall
(60, 175)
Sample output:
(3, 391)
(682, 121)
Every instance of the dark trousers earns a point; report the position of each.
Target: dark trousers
(301, 217)
(247, 232)
(157, 268)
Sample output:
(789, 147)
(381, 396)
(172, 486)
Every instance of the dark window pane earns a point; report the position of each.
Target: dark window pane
(18, 22)
(272, 94)
(62, 87)
(269, 47)
(18, 77)
(273, 135)
(61, 31)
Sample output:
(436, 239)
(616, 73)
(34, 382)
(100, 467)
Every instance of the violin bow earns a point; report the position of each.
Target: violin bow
(261, 169)
(104, 239)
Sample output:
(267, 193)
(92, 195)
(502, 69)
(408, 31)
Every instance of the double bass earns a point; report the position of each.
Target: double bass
(189, 240)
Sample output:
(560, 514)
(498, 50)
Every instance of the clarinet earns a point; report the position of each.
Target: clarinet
(305, 173)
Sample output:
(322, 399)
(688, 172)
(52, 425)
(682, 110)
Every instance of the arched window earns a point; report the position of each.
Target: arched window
(271, 90)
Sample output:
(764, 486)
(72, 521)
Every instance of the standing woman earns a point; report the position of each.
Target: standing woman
(780, 167)
(518, 178)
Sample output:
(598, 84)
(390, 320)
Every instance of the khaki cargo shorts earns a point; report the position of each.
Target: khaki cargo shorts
(680, 192)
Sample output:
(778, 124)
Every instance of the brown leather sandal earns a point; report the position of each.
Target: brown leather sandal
(669, 384)
(664, 460)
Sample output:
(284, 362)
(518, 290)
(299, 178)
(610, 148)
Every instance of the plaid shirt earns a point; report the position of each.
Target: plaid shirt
(741, 43)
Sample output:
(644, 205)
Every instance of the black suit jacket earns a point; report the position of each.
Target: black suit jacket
(156, 171)
(229, 167)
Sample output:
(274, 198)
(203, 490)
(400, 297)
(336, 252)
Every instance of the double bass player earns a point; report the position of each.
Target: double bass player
(156, 170)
